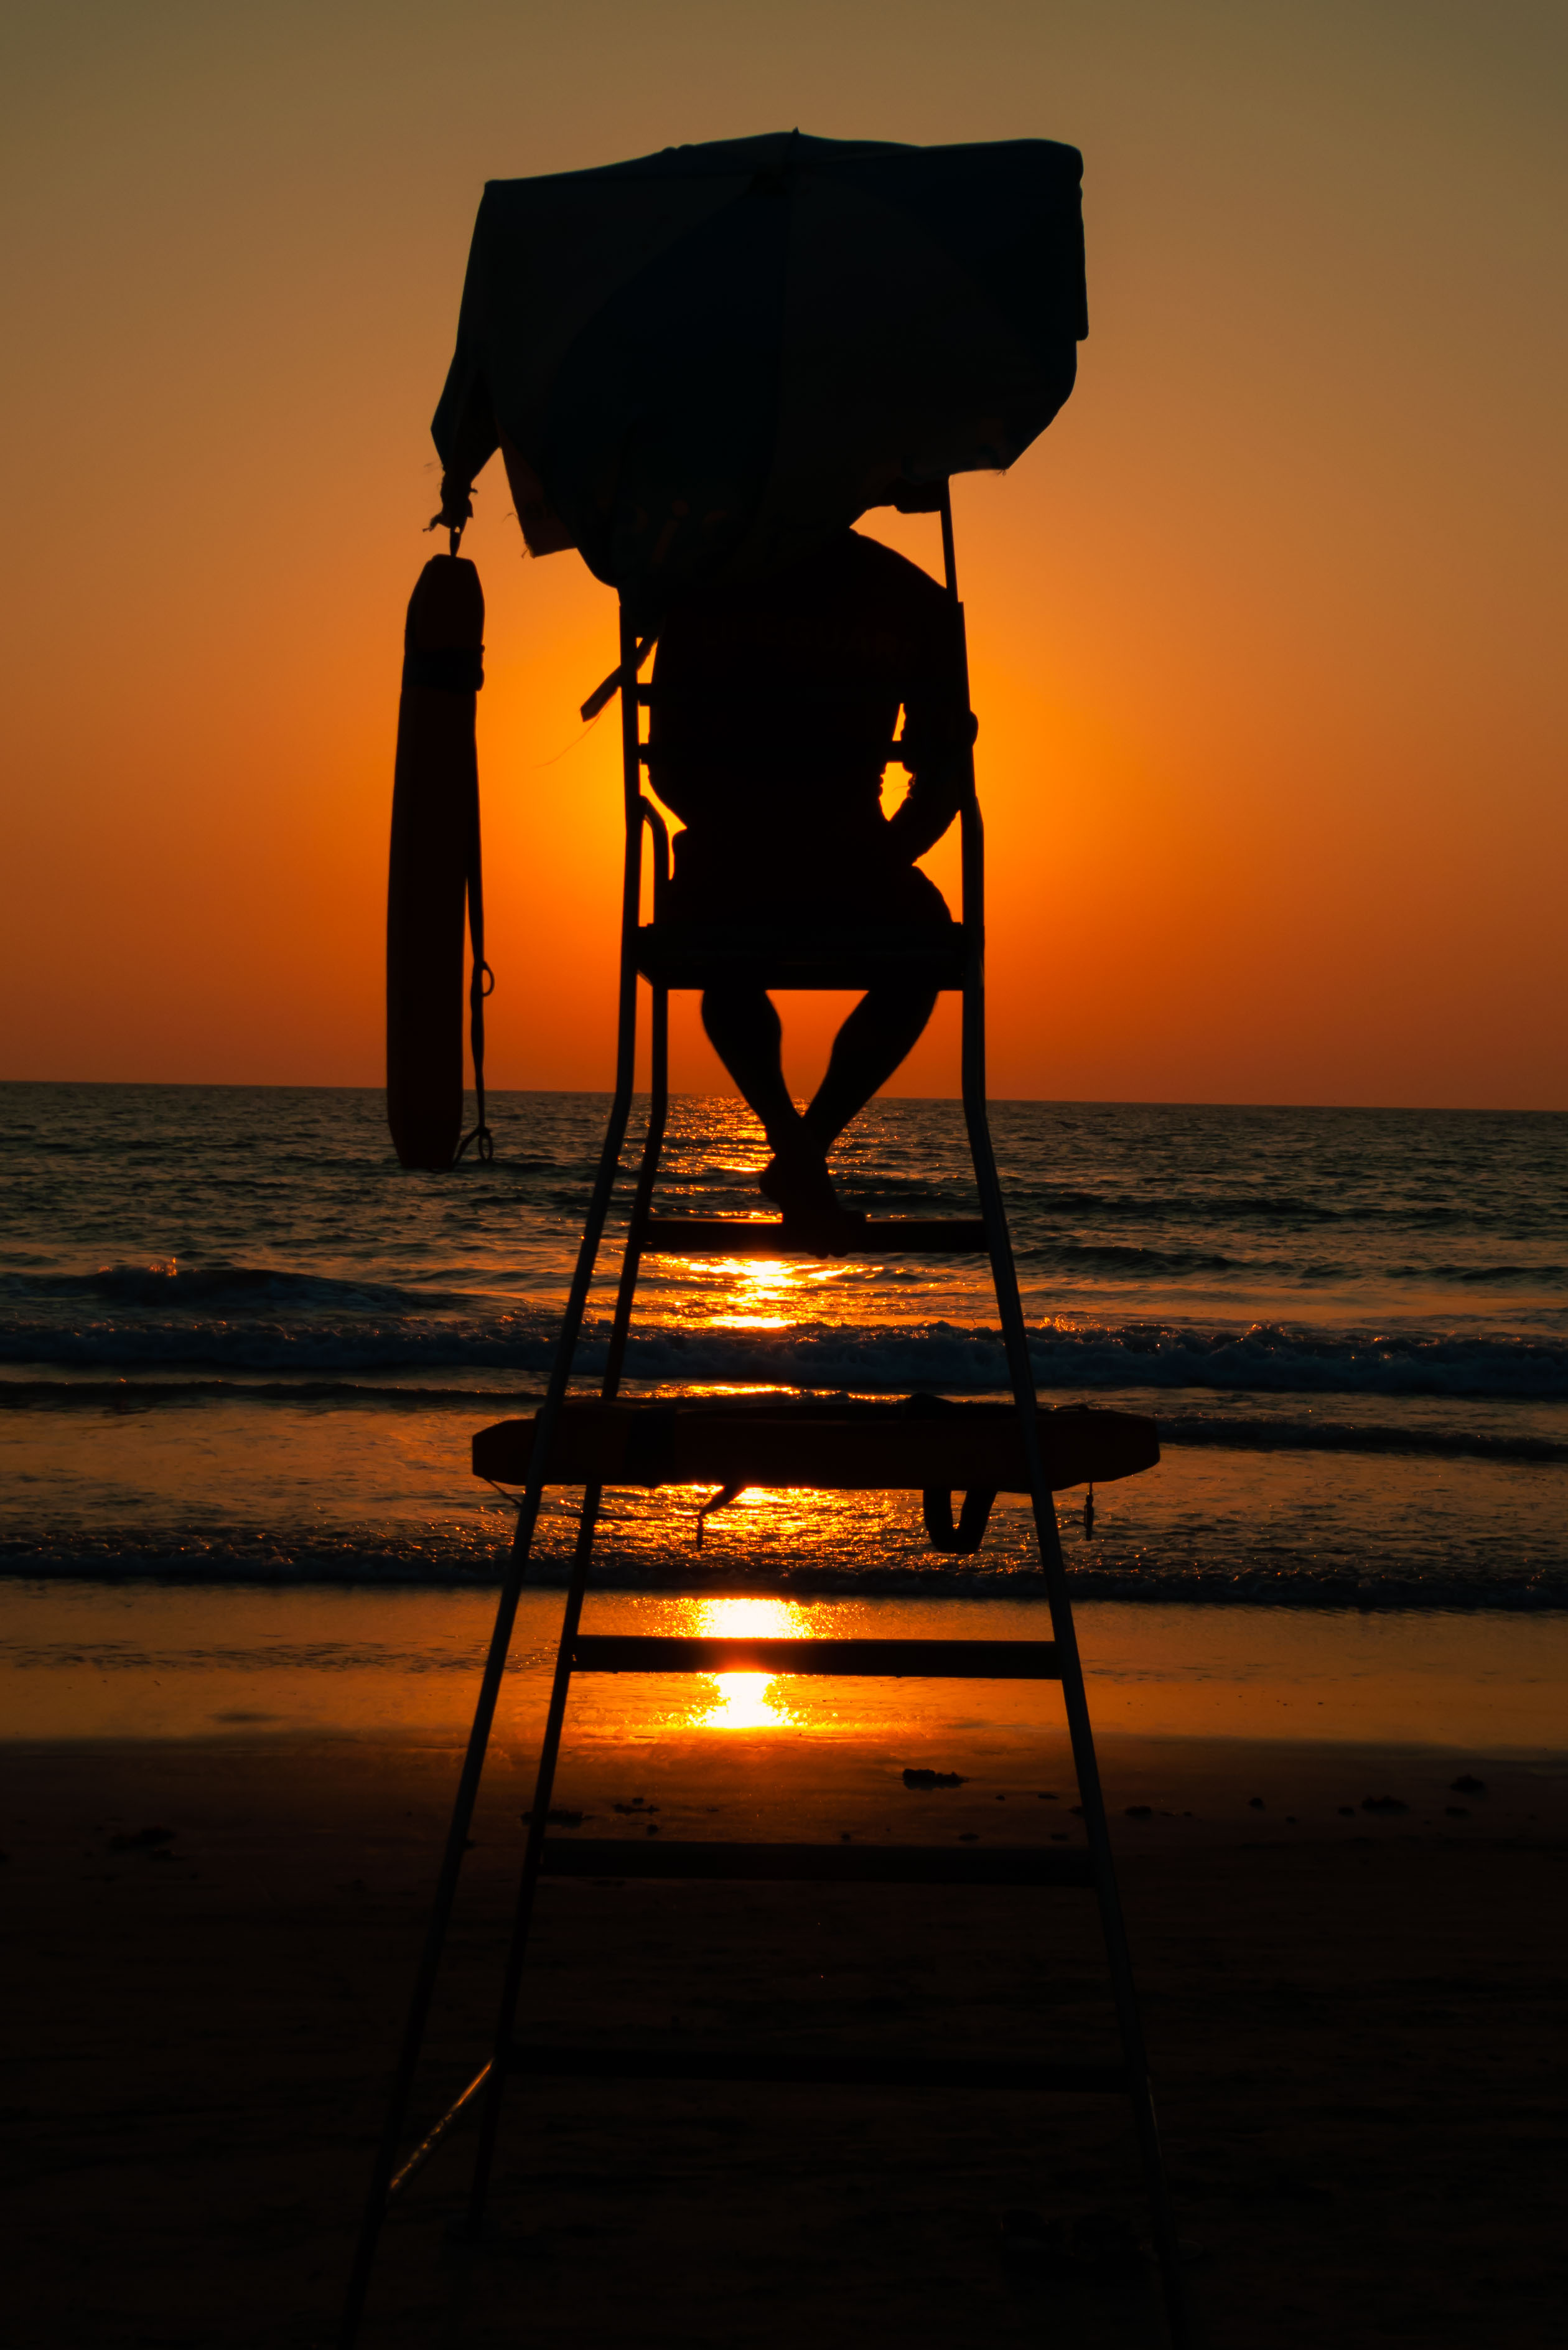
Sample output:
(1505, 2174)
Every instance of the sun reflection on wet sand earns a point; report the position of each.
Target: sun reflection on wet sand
(135, 1661)
(744, 1701)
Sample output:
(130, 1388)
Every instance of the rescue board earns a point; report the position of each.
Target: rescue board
(837, 1446)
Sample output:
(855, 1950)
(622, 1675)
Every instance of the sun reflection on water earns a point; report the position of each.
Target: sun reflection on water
(760, 1291)
(753, 1294)
(744, 1701)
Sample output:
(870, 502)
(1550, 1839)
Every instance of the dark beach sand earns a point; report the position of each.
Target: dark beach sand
(1357, 2026)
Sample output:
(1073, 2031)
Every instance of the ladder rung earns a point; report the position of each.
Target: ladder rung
(799, 939)
(818, 1864)
(762, 1236)
(837, 974)
(813, 2066)
(991, 1660)
(785, 755)
(741, 696)
(688, 955)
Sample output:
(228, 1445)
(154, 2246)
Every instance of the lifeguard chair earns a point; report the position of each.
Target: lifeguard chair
(997, 230)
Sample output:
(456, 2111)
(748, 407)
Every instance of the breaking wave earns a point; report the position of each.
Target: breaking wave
(240, 1319)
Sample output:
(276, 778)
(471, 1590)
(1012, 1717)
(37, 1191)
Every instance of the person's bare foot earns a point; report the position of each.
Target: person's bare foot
(801, 1186)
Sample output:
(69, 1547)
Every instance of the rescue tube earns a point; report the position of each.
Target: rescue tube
(434, 872)
(834, 1447)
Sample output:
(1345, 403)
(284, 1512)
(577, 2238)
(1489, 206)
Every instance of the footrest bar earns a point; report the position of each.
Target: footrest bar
(991, 1660)
(817, 1863)
(747, 1236)
(809, 2068)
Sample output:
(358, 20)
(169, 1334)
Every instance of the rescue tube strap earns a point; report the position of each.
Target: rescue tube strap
(480, 985)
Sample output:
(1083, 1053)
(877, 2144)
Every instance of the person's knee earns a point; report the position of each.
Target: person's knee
(891, 1011)
(745, 1013)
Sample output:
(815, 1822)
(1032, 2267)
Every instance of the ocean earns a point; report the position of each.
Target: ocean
(240, 1347)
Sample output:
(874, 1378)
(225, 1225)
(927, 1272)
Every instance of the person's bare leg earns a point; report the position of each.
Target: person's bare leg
(881, 1030)
(745, 1030)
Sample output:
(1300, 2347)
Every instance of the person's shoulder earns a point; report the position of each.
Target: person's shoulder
(883, 568)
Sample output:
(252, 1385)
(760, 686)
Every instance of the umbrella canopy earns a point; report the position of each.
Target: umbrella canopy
(714, 358)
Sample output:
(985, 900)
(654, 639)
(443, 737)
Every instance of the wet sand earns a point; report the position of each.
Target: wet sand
(1355, 2022)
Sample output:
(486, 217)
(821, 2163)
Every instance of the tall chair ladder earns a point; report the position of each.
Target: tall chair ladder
(670, 956)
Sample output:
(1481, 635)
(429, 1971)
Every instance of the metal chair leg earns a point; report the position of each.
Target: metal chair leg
(506, 1610)
(1010, 1307)
(533, 1856)
(1020, 1373)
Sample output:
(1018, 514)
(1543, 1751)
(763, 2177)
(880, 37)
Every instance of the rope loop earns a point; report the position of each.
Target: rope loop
(962, 1540)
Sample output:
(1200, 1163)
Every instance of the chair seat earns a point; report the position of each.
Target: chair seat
(700, 954)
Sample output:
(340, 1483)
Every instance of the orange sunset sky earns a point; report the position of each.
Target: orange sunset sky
(1266, 631)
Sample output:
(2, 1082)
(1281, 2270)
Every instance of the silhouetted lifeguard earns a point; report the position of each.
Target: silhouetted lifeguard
(782, 802)
(701, 369)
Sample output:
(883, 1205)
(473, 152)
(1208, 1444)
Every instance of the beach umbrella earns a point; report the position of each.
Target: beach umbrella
(703, 363)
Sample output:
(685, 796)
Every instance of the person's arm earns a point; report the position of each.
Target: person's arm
(937, 736)
(938, 724)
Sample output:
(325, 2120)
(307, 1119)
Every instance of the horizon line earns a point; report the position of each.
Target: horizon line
(607, 1093)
